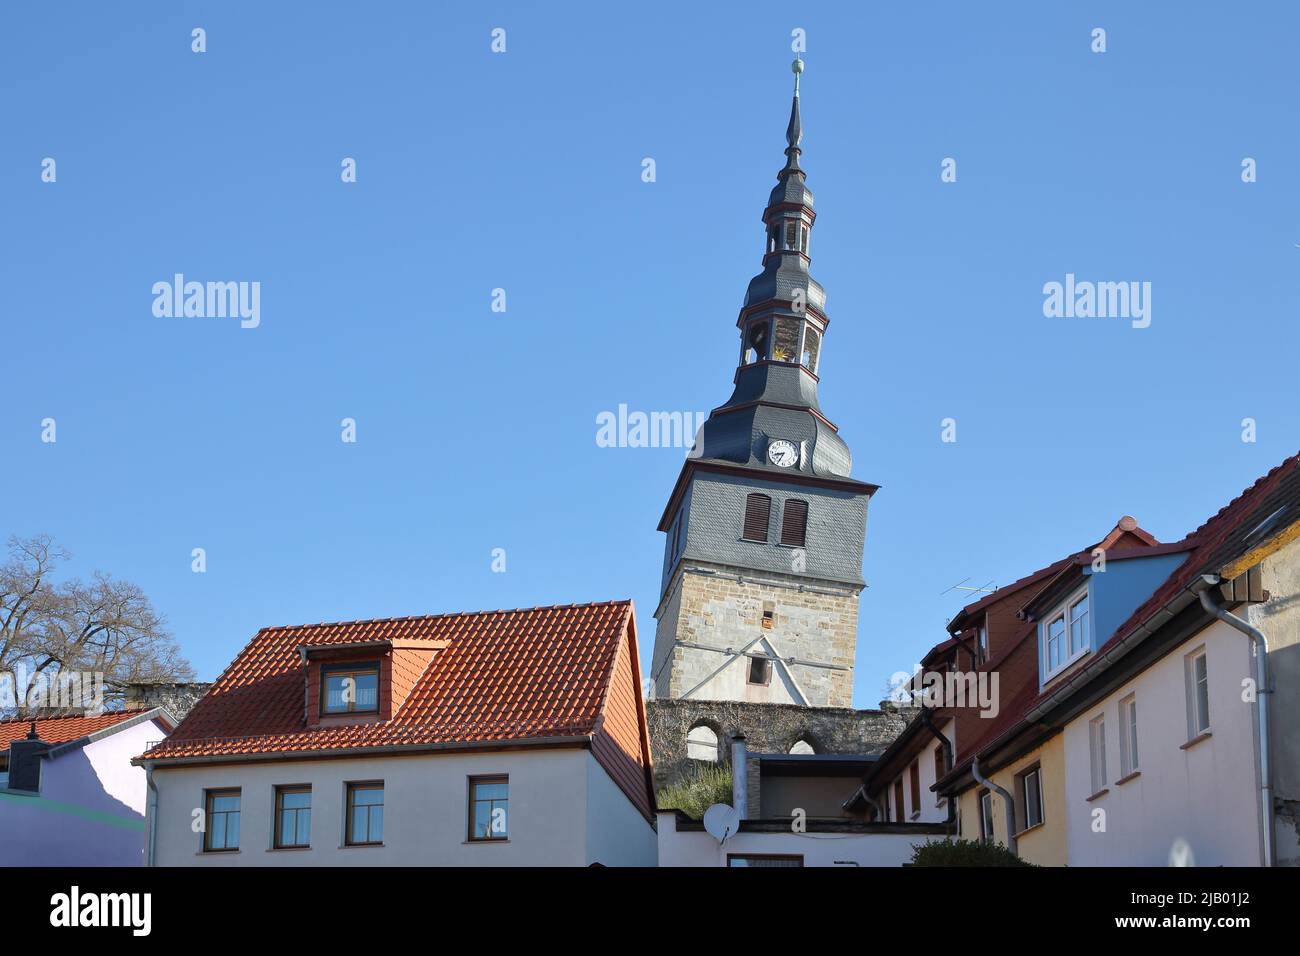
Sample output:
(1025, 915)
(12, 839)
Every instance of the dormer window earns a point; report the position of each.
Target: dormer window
(1066, 634)
(350, 689)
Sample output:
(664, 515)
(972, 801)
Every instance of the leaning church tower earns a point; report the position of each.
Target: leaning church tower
(765, 529)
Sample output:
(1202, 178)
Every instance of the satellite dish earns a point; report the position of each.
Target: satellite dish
(721, 821)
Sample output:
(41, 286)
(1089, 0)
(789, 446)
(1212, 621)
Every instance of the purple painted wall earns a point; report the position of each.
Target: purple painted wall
(90, 811)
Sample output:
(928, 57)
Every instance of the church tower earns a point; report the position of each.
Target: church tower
(763, 560)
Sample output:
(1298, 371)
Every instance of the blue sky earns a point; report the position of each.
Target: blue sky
(476, 430)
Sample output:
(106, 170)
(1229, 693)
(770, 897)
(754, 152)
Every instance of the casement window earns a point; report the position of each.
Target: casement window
(758, 509)
(760, 671)
(350, 689)
(940, 768)
(794, 522)
(489, 808)
(221, 823)
(1097, 752)
(1066, 634)
(898, 800)
(702, 744)
(764, 859)
(1128, 735)
(292, 817)
(983, 644)
(1029, 793)
(986, 816)
(1198, 693)
(914, 782)
(365, 822)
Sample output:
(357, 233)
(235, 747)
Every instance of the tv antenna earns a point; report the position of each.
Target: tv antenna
(987, 587)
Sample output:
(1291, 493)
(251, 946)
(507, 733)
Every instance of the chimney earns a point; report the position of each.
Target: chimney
(25, 758)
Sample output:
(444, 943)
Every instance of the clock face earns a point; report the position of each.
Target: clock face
(782, 453)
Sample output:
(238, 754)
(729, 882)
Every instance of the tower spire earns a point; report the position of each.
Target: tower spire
(794, 132)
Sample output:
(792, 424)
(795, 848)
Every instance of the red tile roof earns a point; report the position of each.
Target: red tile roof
(60, 730)
(503, 676)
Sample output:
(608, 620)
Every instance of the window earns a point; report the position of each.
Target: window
(1128, 735)
(755, 343)
(763, 859)
(785, 344)
(221, 827)
(292, 816)
(1031, 798)
(1079, 626)
(986, 815)
(1198, 694)
(353, 688)
(1097, 752)
(489, 808)
(914, 780)
(1066, 635)
(758, 508)
(702, 744)
(794, 522)
(983, 643)
(760, 671)
(365, 824)
(769, 615)
(940, 766)
(898, 800)
(812, 341)
(802, 746)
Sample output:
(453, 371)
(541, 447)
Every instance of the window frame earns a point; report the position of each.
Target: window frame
(900, 810)
(914, 786)
(277, 828)
(1061, 612)
(1022, 792)
(209, 814)
(475, 782)
(986, 816)
(349, 804)
(1198, 717)
(1097, 754)
(1129, 759)
(349, 669)
(767, 670)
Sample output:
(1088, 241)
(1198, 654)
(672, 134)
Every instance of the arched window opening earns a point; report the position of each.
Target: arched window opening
(802, 746)
(812, 343)
(785, 344)
(756, 338)
(702, 744)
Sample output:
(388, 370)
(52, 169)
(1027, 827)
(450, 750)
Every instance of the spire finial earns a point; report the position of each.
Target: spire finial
(794, 132)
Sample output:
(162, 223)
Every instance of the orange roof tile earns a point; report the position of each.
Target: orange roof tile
(60, 730)
(504, 675)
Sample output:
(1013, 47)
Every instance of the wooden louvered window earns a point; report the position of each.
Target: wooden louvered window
(794, 523)
(758, 508)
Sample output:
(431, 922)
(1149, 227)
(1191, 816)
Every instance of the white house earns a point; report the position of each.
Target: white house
(69, 795)
(497, 738)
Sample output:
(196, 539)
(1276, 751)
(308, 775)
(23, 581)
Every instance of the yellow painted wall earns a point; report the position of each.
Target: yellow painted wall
(1046, 844)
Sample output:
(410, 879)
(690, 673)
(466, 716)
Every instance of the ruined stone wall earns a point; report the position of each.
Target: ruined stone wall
(767, 728)
(179, 699)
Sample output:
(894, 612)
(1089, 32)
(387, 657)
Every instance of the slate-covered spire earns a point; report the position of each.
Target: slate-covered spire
(782, 322)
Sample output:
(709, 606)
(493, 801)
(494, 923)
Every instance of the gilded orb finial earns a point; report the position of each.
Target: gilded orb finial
(796, 68)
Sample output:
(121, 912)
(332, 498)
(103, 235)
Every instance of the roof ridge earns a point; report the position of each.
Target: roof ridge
(1242, 495)
(450, 615)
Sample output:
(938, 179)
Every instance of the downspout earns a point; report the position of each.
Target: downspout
(927, 719)
(152, 810)
(1259, 644)
(1006, 799)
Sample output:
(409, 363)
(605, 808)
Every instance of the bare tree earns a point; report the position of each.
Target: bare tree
(49, 629)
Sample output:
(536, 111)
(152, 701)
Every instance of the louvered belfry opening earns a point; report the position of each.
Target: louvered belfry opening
(794, 523)
(758, 508)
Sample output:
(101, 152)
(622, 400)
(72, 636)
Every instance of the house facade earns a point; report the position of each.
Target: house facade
(69, 794)
(498, 738)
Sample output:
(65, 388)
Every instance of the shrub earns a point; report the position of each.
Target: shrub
(700, 788)
(964, 853)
